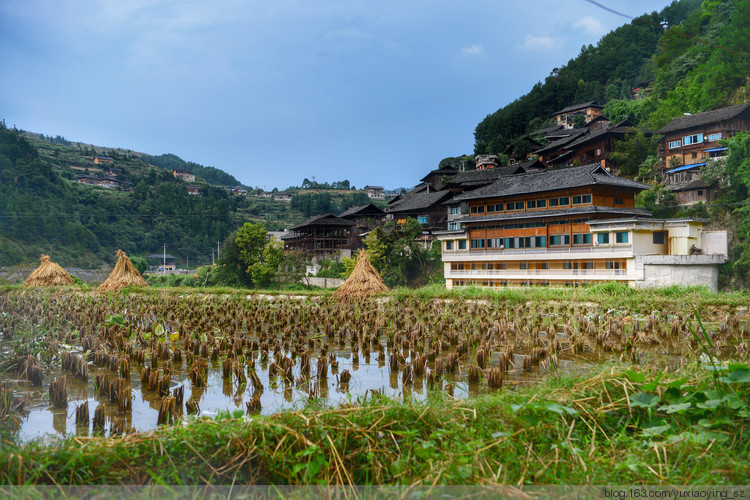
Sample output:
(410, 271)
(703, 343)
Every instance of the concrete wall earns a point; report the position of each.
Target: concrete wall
(323, 282)
(714, 242)
(686, 270)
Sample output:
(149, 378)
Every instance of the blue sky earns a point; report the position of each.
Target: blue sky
(276, 91)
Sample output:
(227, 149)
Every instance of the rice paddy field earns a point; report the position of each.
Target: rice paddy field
(599, 385)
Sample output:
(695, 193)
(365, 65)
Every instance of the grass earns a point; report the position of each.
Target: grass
(614, 426)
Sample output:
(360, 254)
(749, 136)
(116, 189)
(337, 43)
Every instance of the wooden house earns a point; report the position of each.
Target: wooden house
(589, 110)
(423, 204)
(183, 175)
(284, 196)
(365, 218)
(691, 139)
(439, 177)
(569, 226)
(321, 236)
(375, 192)
(103, 159)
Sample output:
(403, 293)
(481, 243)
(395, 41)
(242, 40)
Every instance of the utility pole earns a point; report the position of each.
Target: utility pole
(212, 256)
(164, 261)
(218, 252)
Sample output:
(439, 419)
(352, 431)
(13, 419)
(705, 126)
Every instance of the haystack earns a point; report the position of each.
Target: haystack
(124, 274)
(363, 282)
(48, 274)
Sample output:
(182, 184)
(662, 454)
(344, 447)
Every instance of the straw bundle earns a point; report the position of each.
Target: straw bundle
(124, 274)
(48, 274)
(363, 282)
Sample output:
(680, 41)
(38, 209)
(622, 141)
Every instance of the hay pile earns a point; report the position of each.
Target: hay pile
(363, 282)
(48, 274)
(124, 274)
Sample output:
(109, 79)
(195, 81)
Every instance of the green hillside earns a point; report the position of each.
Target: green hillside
(690, 57)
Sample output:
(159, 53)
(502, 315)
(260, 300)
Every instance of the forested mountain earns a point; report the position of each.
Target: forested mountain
(212, 175)
(40, 212)
(690, 57)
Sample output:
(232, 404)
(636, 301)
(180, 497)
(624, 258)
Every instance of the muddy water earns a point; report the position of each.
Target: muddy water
(40, 419)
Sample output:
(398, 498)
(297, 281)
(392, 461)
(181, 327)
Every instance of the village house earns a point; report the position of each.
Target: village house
(692, 142)
(570, 226)
(113, 171)
(423, 204)
(105, 182)
(284, 196)
(162, 262)
(365, 218)
(439, 177)
(103, 159)
(194, 190)
(588, 110)
(183, 175)
(322, 236)
(375, 192)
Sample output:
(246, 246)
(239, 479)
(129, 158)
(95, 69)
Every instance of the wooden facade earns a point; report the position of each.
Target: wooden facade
(541, 234)
(321, 236)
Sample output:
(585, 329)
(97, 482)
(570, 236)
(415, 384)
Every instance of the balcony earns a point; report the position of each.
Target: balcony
(608, 251)
(541, 274)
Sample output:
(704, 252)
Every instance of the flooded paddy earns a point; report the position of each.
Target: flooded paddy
(88, 363)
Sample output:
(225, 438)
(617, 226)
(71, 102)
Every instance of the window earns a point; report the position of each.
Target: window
(531, 204)
(541, 203)
(503, 266)
(675, 144)
(659, 238)
(586, 198)
(512, 206)
(714, 137)
(602, 238)
(454, 210)
(522, 265)
(700, 192)
(499, 207)
(576, 200)
(489, 243)
(462, 244)
(564, 201)
(423, 219)
(477, 243)
(545, 265)
(582, 239)
(509, 242)
(449, 245)
(519, 205)
(692, 139)
(621, 237)
(477, 209)
(454, 226)
(540, 241)
(490, 208)
(619, 201)
(553, 202)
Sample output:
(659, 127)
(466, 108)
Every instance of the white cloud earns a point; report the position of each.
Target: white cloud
(539, 43)
(474, 50)
(591, 26)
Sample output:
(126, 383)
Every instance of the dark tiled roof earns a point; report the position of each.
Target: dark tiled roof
(700, 119)
(687, 186)
(545, 131)
(418, 201)
(446, 170)
(561, 212)
(324, 220)
(576, 107)
(577, 132)
(474, 178)
(551, 180)
(369, 207)
(616, 131)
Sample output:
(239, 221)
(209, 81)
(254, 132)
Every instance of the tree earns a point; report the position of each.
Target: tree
(260, 257)
(632, 152)
(661, 203)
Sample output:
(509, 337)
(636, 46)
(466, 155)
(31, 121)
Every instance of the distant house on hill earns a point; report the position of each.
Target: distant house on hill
(194, 190)
(105, 182)
(692, 142)
(589, 111)
(113, 171)
(183, 175)
(103, 159)
(375, 192)
(284, 196)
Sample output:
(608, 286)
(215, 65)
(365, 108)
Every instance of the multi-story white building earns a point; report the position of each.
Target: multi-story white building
(568, 226)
